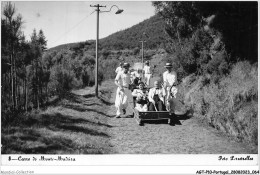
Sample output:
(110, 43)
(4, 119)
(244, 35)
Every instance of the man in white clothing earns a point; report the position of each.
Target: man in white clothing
(156, 98)
(147, 73)
(170, 82)
(123, 93)
(119, 68)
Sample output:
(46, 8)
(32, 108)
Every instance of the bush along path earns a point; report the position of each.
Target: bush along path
(80, 123)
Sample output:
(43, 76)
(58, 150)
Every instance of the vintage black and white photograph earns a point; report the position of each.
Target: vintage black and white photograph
(129, 77)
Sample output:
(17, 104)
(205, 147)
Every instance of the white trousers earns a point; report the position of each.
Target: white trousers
(123, 97)
(169, 99)
(147, 78)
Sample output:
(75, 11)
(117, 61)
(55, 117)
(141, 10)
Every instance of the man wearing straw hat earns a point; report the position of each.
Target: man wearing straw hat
(170, 81)
(147, 73)
(123, 93)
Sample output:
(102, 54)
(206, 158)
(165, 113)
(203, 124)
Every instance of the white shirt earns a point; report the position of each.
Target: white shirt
(138, 93)
(161, 93)
(119, 69)
(123, 79)
(169, 78)
(135, 74)
(147, 69)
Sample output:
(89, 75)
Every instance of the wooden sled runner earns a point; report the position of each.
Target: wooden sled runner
(141, 117)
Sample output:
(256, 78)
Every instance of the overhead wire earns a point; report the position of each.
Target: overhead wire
(73, 27)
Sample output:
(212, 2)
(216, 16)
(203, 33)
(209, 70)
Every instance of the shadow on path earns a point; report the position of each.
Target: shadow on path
(84, 109)
(106, 102)
(53, 134)
(59, 119)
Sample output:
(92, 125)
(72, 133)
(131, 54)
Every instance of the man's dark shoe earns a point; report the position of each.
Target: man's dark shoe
(117, 116)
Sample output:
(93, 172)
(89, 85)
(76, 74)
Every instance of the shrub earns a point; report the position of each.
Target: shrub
(88, 76)
(136, 50)
(218, 64)
(241, 84)
(60, 79)
(105, 53)
(193, 97)
(76, 83)
(229, 105)
(108, 68)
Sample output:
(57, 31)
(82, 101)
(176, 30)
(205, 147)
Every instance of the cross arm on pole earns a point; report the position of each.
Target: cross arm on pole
(97, 5)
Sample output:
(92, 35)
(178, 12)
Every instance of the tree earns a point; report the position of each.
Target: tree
(42, 41)
(38, 46)
(24, 54)
(12, 34)
(232, 22)
(206, 33)
(44, 74)
(23, 69)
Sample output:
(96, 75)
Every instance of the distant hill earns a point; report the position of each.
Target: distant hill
(151, 30)
(63, 46)
(70, 45)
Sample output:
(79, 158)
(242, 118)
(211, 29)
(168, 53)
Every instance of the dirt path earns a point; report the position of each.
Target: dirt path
(187, 136)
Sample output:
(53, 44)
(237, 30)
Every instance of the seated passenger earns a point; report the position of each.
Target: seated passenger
(132, 77)
(156, 98)
(135, 80)
(138, 77)
(141, 98)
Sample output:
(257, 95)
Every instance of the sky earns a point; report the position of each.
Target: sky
(73, 21)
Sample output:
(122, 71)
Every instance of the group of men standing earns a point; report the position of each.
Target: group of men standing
(156, 94)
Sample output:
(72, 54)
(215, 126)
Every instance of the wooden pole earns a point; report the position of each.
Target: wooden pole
(97, 41)
(142, 58)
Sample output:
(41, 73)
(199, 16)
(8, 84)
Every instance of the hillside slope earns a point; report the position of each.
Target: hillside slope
(151, 30)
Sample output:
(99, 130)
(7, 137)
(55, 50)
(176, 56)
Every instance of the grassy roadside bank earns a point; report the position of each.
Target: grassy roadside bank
(228, 104)
(73, 125)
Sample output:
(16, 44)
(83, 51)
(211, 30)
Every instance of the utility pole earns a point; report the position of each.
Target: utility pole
(96, 73)
(142, 57)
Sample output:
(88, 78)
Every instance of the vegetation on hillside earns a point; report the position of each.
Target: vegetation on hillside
(214, 49)
(150, 30)
(210, 36)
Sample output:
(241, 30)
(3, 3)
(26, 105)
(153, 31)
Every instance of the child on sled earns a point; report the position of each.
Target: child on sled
(141, 98)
